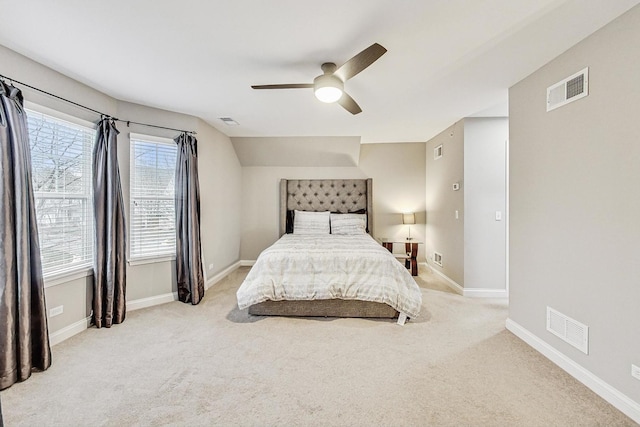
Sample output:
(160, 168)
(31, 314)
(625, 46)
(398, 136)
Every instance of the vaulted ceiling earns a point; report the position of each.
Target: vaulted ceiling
(446, 59)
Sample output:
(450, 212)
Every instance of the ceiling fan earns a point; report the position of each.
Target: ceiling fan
(329, 87)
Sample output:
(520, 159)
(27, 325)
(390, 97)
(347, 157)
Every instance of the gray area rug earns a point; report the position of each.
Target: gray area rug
(212, 364)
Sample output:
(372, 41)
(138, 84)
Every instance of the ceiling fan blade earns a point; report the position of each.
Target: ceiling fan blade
(285, 86)
(360, 62)
(349, 104)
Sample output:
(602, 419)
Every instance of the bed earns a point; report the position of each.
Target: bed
(329, 275)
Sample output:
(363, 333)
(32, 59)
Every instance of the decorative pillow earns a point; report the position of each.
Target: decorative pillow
(347, 224)
(311, 222)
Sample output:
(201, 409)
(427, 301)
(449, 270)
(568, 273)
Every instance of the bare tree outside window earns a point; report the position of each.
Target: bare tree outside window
(61, 166)
(152, 228)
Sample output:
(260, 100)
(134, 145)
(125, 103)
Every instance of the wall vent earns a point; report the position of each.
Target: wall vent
(568, 90)
(569, 330)
(437, 258)
(437, 152)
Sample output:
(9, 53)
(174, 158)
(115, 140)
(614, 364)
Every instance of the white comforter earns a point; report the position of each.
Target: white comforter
(299, 267)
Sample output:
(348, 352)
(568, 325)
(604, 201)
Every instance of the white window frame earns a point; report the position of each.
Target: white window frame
(84, 269)
(137, 259)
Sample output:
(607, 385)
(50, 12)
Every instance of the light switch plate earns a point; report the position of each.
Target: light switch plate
(498, 216)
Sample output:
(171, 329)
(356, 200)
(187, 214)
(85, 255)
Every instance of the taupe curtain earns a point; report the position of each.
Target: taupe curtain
(24, 337)
(109, 275)
(188, 253)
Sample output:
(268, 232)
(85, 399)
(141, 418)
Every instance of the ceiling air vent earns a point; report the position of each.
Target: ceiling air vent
(569, 330)
(229, 121)
(568, 90)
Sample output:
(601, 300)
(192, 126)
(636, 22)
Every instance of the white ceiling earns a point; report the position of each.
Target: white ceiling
(446, 59)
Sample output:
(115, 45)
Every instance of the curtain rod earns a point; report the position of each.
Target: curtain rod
(3, 77)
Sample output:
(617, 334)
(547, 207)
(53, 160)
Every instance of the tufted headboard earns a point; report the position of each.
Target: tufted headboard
(335, 195)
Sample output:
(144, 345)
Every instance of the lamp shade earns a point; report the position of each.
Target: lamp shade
(409, 218)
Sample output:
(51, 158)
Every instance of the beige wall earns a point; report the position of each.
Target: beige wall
(220, 183)
(473, 245)
(575, 203)
(398, 185)
(220, 176)
(298, 151)
(398, 172)
(445, 233)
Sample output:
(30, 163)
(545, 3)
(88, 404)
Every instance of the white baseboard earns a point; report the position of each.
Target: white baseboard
(470, 292)
(68, 331)
(485, 293)
(137, 304)
(621, 401)
(79, 326)
(452, 284)
(247, 262)
(221, 275)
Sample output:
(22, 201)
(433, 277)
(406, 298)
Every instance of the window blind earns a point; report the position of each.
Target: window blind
(61, 154)
(152, 228)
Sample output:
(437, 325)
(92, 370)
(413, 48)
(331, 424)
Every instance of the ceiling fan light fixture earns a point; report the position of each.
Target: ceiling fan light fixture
(328, 88)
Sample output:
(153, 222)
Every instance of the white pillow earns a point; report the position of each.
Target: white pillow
(311, 222)
(348, 224)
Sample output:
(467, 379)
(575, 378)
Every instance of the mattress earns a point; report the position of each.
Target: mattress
(325, 267)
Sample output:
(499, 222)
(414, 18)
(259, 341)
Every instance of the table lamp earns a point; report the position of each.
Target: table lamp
(409, 218)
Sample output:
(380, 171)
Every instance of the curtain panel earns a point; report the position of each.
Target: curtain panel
(24, 336)
(189, 275)
(109, 286)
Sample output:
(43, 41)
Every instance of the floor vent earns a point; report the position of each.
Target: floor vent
(437, 258)
(568, 90)
(569, 330)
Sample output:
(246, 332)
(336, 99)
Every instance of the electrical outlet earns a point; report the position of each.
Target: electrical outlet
(55, 311)
(635, 371)
(210, 266)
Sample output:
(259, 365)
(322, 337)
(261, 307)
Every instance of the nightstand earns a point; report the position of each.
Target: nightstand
(411, 253)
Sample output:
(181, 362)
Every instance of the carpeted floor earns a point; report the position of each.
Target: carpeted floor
(212, 364)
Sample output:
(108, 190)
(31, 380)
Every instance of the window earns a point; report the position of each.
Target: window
(61, 152)
(153, 166)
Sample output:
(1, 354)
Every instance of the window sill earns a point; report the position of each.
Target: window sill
(152, 260)
(67, 276)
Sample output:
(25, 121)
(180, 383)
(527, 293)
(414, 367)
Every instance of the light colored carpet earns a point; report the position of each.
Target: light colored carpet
(212, 364)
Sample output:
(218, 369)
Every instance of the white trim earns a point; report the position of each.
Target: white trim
(67, 276)
(68, 331)
(221, 275)
(452, 284)
(150, 138)
(471, 292)
(247, 262)
(621, 401)
(508, 216)
(485, 293)
(137, 304)
(153, 259)
(58, 115)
